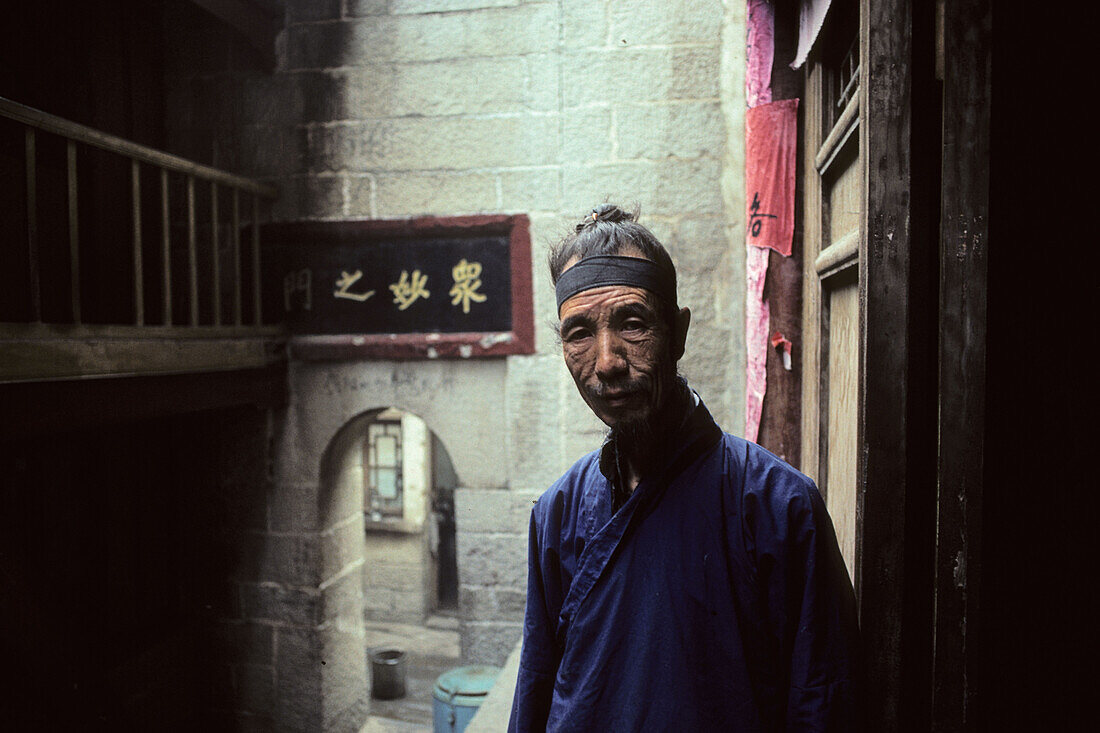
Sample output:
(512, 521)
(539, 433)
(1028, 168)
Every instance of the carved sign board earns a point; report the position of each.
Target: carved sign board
(418, 288)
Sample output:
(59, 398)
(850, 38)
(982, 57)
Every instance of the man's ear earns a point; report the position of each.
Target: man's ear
(679, 333)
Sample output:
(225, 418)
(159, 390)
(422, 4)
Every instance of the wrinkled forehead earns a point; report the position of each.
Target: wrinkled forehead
(602, 271)
(607, 301)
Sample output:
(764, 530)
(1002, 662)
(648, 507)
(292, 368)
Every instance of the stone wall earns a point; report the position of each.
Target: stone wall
(403, 108)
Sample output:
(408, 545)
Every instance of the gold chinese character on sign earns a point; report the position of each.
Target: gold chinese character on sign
(344, 283)
(467, 280)
(407, 290)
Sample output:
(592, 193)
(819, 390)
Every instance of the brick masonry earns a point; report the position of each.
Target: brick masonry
(402, 108)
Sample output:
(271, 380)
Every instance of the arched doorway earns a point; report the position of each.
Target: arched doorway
(404, 474)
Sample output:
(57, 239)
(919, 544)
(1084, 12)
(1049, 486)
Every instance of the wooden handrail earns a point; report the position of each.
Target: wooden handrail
(34, 122)
(96, 138)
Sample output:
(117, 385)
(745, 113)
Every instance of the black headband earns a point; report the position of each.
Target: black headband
(601, 270)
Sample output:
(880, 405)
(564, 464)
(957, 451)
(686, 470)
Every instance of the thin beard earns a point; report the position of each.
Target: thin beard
(641, 440)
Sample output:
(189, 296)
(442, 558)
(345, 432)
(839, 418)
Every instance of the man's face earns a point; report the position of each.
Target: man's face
(616, 346)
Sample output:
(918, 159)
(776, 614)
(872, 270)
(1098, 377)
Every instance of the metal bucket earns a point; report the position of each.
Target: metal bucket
(388, 669)
(458, 695)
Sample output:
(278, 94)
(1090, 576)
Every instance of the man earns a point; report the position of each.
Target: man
(680, 578)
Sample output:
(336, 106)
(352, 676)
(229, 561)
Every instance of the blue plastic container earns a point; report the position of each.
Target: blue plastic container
(457, 695)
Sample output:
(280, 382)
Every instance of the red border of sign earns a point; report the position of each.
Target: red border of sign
(520, 340)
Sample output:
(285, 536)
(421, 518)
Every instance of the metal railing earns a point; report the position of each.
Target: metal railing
(36, 123)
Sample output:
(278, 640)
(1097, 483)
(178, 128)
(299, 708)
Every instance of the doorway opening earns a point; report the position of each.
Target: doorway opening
(408, 483)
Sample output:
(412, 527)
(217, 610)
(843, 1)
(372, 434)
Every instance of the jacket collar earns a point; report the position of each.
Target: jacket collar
(696, 423)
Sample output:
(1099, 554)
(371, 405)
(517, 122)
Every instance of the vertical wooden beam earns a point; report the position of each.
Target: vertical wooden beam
(34, 277)
(884, 130)
(165, 247)
(192, 254)
(257, 304)
(139, 288)
(74, 232)
(962, 350)
(812, 228)
(236, 235)
(215, 263)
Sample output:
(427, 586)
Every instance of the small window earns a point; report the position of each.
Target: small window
(382, 468)
(837, 50)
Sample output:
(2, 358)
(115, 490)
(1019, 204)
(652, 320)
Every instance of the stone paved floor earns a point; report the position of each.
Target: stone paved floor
(432, 649)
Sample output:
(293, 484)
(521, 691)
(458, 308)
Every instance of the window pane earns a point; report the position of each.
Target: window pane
(386, 446)
(386, 482)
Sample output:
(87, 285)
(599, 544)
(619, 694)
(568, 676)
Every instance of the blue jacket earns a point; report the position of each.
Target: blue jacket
(714, 599)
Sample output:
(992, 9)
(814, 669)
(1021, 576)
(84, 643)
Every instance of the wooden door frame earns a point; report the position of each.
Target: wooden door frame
(967, 35)
(896, 494)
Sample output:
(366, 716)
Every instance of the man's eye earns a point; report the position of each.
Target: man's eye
(634, 325)
(576, 334)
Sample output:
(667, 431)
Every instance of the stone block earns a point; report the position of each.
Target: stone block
(274, 100)
(267, 152)
(494, 510)
(634, 76)
(304, 606)
(291, 559)
(293, 508)
(707, 364)
(460, 86)
(304, 11)
(536, 189)
(386, 548)
(321, 197)
(405, 7)
(322, 679)
(698, 291)
(330, 95)
(671, 187)
(541, 81)
(274, 602)
(700, 244)
(319, 45)
(666, 22)
(485, 559)
(492, 85)
(386, 604)
(255, 685)
(587, 136)
(489, 642)
(412, 144)
(342, 546)
(299, 671)
(480, 603)
(345, 679)
(506, 31)
(688, 130)
(584, 24)
(511, 604)
(439, 194)
(343, 598)
(477, 603)
(244, 642)
(409, 578)
(534, 421)
(585, 432)
(361, 196)
(361, 8)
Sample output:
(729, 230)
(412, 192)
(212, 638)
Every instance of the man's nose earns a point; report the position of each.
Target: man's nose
(610, 355)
